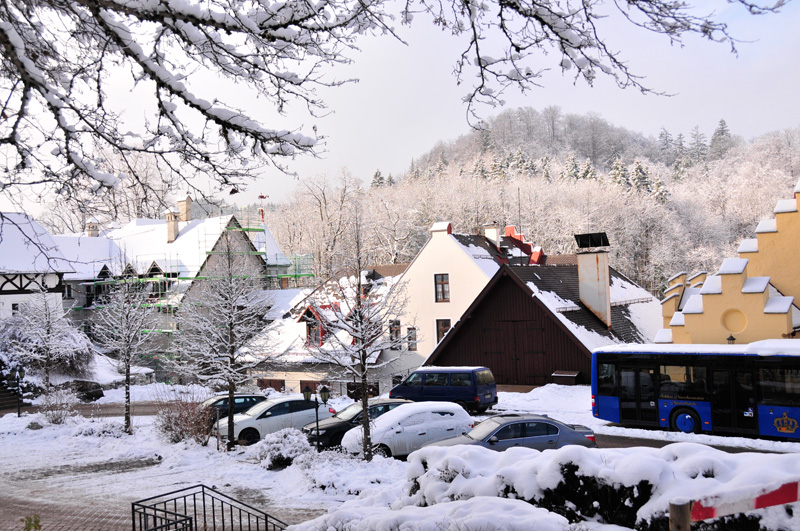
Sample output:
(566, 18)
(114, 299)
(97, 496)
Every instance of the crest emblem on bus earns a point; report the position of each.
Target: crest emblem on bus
(786, 424)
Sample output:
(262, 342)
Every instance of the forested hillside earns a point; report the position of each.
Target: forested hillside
(668, 204)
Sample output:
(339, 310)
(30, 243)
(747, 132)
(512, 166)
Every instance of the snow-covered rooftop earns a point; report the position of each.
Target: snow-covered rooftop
(26, 247)
(786, 205)
(767, 225)
(712, 286)
(778, 305)
(755, 285)
(265, 242)
(694, 304)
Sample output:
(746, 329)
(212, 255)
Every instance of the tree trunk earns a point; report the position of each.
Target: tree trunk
(128, 428)
(367, 439)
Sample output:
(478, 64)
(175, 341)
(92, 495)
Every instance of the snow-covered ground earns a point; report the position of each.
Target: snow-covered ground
(458, 486)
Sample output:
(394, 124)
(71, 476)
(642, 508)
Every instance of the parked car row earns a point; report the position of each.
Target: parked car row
(429, 408)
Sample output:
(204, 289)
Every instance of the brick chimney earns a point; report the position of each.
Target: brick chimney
(172, 225)
(185, 209)
(92, 227)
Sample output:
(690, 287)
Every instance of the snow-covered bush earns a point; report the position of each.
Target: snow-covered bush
(180, 415)
(278, 450)
(58, 405)
(338, 473)
(102, 428)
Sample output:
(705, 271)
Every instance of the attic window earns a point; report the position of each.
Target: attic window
(394, 333)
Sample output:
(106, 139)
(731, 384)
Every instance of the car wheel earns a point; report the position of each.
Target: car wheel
(383, 450)
(685, 420)
(481, 409)
(248, 437)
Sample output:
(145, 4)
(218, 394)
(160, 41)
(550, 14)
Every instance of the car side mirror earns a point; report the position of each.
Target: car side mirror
(398, 429)
(266, 414)
(493, 439)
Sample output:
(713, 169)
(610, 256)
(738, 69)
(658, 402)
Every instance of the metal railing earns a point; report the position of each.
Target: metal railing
(199, 508)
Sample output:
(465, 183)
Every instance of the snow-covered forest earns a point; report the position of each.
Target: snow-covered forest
(681, 201)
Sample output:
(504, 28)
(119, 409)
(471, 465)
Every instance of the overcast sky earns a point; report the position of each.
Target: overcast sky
(407, 98)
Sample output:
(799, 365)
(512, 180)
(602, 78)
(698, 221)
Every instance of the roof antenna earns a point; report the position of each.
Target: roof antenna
(261, 208)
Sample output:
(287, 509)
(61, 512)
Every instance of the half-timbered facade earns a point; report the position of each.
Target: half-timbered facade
(30, 262)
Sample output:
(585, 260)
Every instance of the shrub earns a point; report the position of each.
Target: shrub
(278, 450)
(181, 416)
(58, 405)
(101, 429)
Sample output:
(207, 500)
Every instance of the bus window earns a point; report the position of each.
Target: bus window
(682, 382)
(606, 379)
(780, 387)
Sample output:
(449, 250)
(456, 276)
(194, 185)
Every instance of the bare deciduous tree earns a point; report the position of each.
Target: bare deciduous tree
(220, 315)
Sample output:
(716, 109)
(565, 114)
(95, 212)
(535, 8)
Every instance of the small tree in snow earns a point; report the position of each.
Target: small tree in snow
(219, 316)
(361, 328)
(123, 325)
(42, 338)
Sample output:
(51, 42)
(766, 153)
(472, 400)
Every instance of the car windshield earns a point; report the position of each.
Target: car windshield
(349, 412)
(484, 429)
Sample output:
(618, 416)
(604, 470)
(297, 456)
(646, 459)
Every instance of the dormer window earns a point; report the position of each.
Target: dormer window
(441, 284)
(394, 333)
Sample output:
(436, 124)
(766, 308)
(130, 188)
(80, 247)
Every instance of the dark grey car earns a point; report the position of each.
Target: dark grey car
(539, 432)
(331, 430)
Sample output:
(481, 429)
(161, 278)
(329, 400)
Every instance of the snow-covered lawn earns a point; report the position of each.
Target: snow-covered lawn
(438, 488)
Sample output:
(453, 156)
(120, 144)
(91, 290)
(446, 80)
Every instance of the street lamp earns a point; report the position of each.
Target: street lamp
(19, 374)
(324, 394)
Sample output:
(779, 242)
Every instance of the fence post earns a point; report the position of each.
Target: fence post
(680, 515)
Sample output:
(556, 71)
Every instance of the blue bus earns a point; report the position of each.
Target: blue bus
(748, 390)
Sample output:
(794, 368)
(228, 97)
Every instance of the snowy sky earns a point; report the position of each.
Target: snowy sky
(407, 98)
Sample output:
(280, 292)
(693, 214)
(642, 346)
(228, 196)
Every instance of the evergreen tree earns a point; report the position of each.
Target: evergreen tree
(497, 169)
(377, 180)
(698, 150)
(479, 170)
(571, 169)
(660, 192)
(666, 146)
(619, 174)
(390, 180)
(588, 171)
(721, 141)
(640, 178)
(679, 169)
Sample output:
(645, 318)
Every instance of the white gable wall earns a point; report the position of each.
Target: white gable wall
(441, 254)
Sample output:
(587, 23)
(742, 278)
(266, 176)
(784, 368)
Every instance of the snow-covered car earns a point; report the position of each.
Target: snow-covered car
(410, 427)
(539, 432)
(272, 415)
(332, 430)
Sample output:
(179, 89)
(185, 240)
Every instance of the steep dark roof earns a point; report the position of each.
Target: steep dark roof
(563, 281)
(391, 270)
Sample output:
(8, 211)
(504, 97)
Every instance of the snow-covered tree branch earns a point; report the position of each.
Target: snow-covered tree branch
(64, 63)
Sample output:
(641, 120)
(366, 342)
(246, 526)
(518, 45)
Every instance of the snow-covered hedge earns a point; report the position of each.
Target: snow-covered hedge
(629, 487)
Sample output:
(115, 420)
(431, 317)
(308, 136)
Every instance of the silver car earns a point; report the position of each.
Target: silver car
(539, 432)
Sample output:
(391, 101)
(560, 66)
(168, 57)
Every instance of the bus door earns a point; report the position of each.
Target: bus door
(733, 401)
(637, 395)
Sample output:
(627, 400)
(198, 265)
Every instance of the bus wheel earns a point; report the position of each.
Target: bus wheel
(685, 420)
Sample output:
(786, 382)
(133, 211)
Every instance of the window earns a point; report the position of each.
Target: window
(279, 409)
(301, 405)
(442, 326)
(415, 379)
(461, 379)
(68, 291)
(14, 308)
(484, 377)
(780, 387)
(412, 339)
(682, 382)
(394, 333)
(540, 429)
(437, 379)
(512, 431)
(606, 379)
(442, 287)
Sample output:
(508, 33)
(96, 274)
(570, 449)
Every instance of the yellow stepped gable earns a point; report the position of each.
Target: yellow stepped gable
(731, 304)
(776, 249)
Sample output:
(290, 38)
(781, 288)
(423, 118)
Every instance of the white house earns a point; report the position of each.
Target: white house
(30, 261)
(448, 274)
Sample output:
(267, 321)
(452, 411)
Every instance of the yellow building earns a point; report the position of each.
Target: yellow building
(750, 298)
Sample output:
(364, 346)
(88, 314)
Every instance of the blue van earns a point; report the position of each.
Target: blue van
(473, 388)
